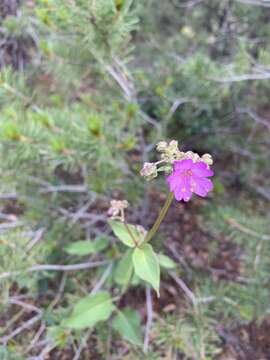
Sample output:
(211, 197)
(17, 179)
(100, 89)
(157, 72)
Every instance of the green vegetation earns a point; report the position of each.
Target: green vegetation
(87, 89)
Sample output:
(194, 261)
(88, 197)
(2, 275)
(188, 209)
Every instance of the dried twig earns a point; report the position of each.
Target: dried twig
(37, 237)
(175, 106)
(246, 230)
(102, 280)
(43, 355)
(4, 340)
(10, 196)
(51, 267)
(81, 211)
(244, 77)
(185, 288)
(64, 188)
(59, 293)
(81, 266)
(149, 308)
(179, 258)
(188, 4)
(254, 116)
(81, 346)
(10, 225)
(262, 191)
(36, 337)
(124, 84)
(121, 75)
(264, 3)
(28, 307)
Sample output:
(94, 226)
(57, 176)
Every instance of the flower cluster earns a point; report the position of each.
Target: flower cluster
(188, 172)
(117, 209)
(170, 153)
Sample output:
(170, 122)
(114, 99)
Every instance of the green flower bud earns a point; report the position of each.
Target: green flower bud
(207, 158)
(161, 146)
(149, 171)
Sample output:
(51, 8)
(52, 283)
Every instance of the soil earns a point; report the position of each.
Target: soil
(246, 342)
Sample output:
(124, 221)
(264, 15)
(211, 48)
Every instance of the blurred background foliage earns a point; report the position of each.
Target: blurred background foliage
(87, 88)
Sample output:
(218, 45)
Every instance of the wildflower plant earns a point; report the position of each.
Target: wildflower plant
(91, 81)
(186, 173)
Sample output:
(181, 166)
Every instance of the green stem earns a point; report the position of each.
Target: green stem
(130, 233)
(161, 216)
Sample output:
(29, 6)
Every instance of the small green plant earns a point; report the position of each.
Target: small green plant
(86, 89)
(187, 173)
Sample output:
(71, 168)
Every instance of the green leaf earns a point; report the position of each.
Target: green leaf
(166, 262)
(135, 281)
(127, 323)
(90, 310)
(57, 335)
(124, 268)
(146, 265)
(100, 243)
(126, 233)
(87, 247)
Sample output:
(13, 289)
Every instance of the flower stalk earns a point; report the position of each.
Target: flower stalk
(160, 218)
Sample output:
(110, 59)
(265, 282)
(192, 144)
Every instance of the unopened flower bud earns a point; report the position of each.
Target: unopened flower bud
(207, 158)
(161, 146)
(173, 146)
(149, 170)
(170, 153)
(195, 157)
(189, 155)
(180, 155)
(117, 208)
(124, 204)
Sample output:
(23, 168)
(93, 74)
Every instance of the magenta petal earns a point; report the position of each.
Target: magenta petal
(208, 185)
(182, 191)
(178, 193)
(201, 169)
(198, 186)
(205, 183)
(182, 165)
(173, 181)
(186, 188)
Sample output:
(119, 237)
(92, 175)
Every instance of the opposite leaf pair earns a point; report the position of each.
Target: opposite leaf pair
(145, 261)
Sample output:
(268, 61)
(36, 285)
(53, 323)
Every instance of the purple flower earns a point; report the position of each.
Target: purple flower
(188, 177)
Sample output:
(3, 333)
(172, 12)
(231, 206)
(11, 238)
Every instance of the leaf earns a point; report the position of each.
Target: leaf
(57, 335)
(126, 233)
(80, 248)
(90, 310)
(87, 247)
(100, 243)
(124, 268)
(135, 280)
(146, 265)
(166, 262)
(127, 323)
